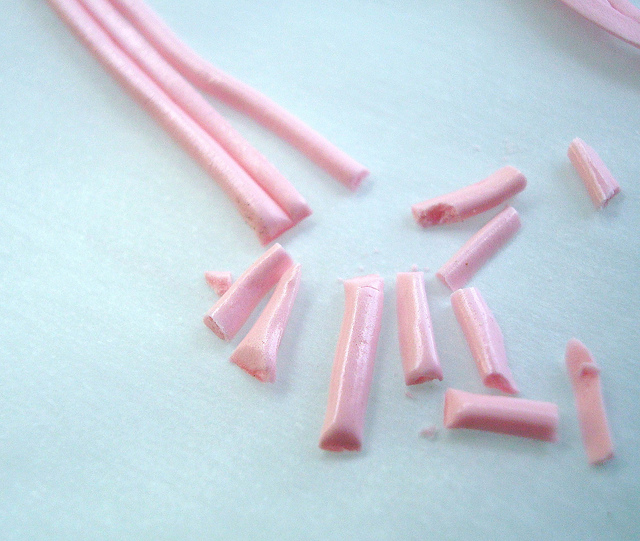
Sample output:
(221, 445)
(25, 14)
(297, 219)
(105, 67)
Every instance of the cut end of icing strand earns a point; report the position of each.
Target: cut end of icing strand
(338, 439)
(501, 383)
(253, 363)
(419, 376)
(218, 331)
(595, 175)
(441, 213)
(356, 178)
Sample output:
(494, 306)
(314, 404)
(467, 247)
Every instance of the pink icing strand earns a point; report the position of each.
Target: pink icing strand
(258, 352)
(257, 208)
(190, 100)
(470, 200)
(353, 365)
(232, 310)
(417, 345)
(219, 281)
(594, 173)
(626, 8)
(484, 338)
(456, 272)
(241, 96)
(503, 414)
(585, 379)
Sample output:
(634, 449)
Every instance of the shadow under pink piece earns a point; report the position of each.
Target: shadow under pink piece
(503, 414)
(417, 345)
(585, 380)
(484, 338)
(470, 200)
(257, 354)
(594, 173)
(353, 365)
(233, 309)
(456, 272)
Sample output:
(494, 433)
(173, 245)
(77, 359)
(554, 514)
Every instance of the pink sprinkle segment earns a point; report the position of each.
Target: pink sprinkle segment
(353, 365)
(241, 96)
(417, 345)
(585, 379)
(594, 173)
(484, 338)
(618, 17)
(233, 309)
(190, 100)
(257, 208)
(219, 281)
(456, 272)
(258, 352)
(503, 414)
(471, 200)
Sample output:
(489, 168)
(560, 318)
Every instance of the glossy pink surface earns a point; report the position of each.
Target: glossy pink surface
(594, 173)
(353, 365)
(219, 281)
(417, 345)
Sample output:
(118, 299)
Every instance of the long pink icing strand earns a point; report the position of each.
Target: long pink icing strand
(470, 200)
(626, 8)
(594, 173)
(257, 208)
(585, 380)
(219, 281)
(257, 354)
(456, 272)
(187, 97)
(232, 310)
(241, 96)
(420, 360)
(353, 365)
(503, 414)
(484, 338)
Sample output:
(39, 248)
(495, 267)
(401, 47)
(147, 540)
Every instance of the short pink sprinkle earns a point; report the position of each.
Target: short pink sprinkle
(594, 173)
(585, 379)
(219, 281)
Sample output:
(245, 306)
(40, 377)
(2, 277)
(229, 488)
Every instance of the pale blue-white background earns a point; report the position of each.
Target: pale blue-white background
(120, 416)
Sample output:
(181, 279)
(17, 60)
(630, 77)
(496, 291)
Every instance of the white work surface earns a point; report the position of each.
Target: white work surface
(120, 415)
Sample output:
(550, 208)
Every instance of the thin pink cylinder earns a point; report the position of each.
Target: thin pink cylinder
(484, 338)
(470, 200)
(594, 173)
(232, 310)
(241, 96)
(456, 272)
(503, 414)
(219, 281)
(585, 380)
(257, 354)
(353, 365)
(420, 360)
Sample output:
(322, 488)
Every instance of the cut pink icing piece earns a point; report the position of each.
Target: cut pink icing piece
(417, 345)
(503, 414)
(585, 379)
(233, 309)
(353, 364)
(594, 173)
(471, 200)
(456, 272)
(219, 281)
(258, 352)
(241, 96)
(484, 338)
(258, 209)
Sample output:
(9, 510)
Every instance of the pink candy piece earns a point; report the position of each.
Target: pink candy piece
(219, 281)
(503, 414)
(233, 309)
(594, 173)
(585, 379)
(258, 352)
(258, 209)
(240, 96)
(484, 338)
(471, 200)
(417, 346)
(353, 365)
(456, 272)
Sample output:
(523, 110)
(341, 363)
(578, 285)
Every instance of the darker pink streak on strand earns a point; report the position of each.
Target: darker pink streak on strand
(353, 365)
(241, 96)
(470, 200)
(594, 173)
(585, 380)
(258, 209)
